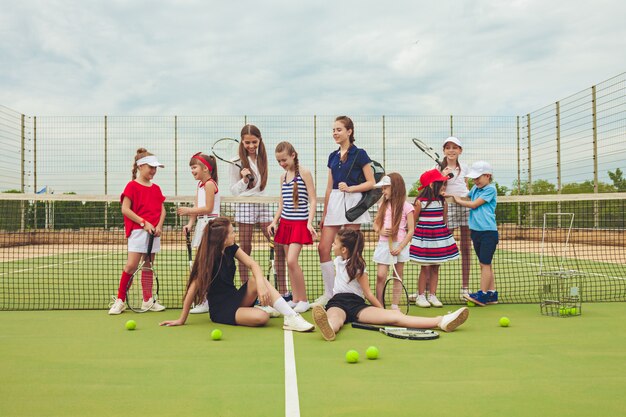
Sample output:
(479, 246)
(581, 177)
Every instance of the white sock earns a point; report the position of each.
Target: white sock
(328, 276)
(291, 304)
(281, 305)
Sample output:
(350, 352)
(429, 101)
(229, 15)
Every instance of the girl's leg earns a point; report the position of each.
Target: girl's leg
(279, 260)
(465, 256)
(296, 276)
(423, 279)
(487, 279)
(374, 315)
(245, 243)
(132, 261)
(382, 272)
(327, 237)
(433, 279)
(328, 322)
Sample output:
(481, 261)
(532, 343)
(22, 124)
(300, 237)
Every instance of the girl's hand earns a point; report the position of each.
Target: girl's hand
(183, 211)
(187, 228)
(244, 174)
(446, 171)
(158, 231)
(344, 187)
(385, 232)
(169, 323)
(148, 227)
(311, 229)
(321, 224)
(263, 294)
(271, 229)
(396, 251)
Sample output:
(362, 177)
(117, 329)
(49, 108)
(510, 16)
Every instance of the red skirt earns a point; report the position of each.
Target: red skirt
(293, 231)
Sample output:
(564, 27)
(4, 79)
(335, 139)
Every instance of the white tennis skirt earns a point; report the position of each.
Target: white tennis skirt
(338, 203)
(382, 255)
(138, 242)
(199, 231)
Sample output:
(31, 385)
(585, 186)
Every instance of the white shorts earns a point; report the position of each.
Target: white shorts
(338, 203)
(252, 213)
(457, 216)
(138, 242)
(197, 234)
(383, 256)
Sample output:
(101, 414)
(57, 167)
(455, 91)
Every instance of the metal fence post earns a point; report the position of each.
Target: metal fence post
(595, 155)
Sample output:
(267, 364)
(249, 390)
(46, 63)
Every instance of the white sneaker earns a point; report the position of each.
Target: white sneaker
(421, 301)
(117, 306)
(297, 323)
(413, 297)
(200, 308)
(292, 304)
(463, 293)
(269, 310)
(301, 307)
(321, 319)
(322, 300)
(432, 299)
(451, 321)
(151, 305)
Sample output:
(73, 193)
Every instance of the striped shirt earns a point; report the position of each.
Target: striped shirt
(289, 211)
(432, 242)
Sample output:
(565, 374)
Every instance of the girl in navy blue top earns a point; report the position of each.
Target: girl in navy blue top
(349, 175)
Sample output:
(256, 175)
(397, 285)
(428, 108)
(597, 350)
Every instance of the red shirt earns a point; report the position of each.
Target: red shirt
(146, 202)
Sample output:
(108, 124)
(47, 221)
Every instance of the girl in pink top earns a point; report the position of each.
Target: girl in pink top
(394, 224)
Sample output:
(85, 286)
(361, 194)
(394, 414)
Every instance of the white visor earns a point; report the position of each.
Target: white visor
(150, 160)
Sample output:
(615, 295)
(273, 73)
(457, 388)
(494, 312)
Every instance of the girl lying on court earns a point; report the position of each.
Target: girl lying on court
(212, 277)
(352, 286)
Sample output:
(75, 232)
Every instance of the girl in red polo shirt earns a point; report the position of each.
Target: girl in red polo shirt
(143, 210)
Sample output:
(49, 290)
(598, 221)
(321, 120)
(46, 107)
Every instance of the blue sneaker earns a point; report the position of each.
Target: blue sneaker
(287, 296)
(479, 298)
(493, 297)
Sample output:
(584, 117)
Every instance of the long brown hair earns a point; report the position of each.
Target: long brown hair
(396, 201)
(141, 153)
(354, 242)
(210, 159)
(210, 251)
(288, 147)
(261, 161)
(349, 125)
(431, 194)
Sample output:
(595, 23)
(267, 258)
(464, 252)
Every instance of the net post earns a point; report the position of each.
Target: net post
(106, 169)
(384, 144)
(595, 154)
(558, 157)
(530, 177)
(519, 175)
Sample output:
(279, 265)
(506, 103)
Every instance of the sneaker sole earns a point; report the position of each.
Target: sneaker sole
(458, 321)
(295, 329)
(478, 303)
(321, 320)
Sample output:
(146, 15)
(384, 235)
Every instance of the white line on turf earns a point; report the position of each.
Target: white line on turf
(292, 402)
(58, 264)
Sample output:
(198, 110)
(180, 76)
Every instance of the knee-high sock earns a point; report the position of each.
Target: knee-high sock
(147, 279)
(328, 275)
(121, 290)
(283, 308)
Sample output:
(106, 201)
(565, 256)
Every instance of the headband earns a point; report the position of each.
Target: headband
(204, 161)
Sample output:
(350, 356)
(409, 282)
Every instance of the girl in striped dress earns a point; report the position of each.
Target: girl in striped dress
(432, 242)
(292, 225)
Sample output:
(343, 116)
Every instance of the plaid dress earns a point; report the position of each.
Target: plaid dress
(432, 242)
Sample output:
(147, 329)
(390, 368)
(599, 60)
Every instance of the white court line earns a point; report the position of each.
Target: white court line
(292, 402)
(595, 274)
(53, 265)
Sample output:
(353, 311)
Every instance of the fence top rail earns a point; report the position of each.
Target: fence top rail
(269, 199)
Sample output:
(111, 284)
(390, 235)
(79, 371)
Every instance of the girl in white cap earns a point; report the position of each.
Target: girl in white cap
(458, 216)
(394, 224)
(143, 210)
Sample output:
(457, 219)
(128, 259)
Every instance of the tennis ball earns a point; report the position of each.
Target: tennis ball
(471, 304)
(573, 311)
(352, 356)
(563, 311)
(504, 321)
(216, 334)
(372, 352)
(131, 325)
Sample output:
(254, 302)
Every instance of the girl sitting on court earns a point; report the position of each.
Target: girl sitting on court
(296, 219)
(206, 207)
(352, 286)
(212, 277)
(143, 210)
(394, 224)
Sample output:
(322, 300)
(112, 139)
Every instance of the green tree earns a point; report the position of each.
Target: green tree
(586, 187)
(618, 180)
(539, 187)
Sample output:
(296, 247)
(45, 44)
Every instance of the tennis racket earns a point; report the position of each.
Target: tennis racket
(225, 149)
(271, 270)
(395, 294)
(399, 332)
(143, 288)
(431, 153)
(188, 242)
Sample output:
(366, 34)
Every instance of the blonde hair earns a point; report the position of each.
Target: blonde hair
(288, 147)
(396, 202)
(141, 153)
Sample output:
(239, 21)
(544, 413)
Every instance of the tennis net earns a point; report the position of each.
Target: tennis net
(67, 251)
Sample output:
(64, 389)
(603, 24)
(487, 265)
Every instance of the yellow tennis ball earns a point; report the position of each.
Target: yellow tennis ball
(352, 356)
(372, 352)
(216, 334)
(504, 321)
(563, 311)
(131, 325)
(573, 311)
(471, 304)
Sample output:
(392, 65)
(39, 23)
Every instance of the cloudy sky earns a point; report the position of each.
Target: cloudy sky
(483, 57)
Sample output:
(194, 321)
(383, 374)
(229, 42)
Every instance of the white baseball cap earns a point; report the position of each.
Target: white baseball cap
(150, 160)
(454, 140)
(383, 181)
(479, 168)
